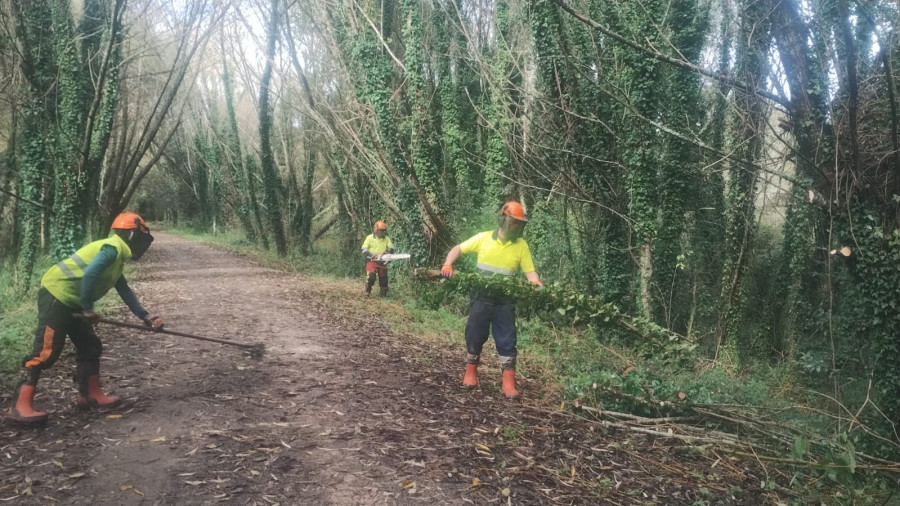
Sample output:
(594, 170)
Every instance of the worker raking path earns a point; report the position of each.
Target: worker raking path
(203, 422)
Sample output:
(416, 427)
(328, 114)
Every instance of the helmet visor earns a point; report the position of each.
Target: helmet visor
(513, 228)
(140, 243)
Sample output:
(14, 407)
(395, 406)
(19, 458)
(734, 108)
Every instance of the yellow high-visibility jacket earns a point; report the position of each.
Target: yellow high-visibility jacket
(63, 280)
(497, 257)
(377, 246)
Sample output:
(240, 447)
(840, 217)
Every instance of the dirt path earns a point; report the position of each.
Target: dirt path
(340, 411)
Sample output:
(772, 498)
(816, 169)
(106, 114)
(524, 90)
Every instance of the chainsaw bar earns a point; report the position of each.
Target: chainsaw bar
(393, 256)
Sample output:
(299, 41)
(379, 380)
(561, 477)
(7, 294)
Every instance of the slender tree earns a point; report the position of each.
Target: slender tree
(271, 181)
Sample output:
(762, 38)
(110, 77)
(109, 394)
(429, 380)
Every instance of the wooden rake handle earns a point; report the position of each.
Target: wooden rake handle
(117, 323)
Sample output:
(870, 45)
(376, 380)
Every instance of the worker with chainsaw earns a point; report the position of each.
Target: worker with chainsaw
(66, 308)
(377, 244)
(500, 252)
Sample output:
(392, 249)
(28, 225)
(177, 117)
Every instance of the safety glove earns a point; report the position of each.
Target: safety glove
(447, 271)
(154, 322)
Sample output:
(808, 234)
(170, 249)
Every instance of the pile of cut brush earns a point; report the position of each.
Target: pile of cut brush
(761, 434)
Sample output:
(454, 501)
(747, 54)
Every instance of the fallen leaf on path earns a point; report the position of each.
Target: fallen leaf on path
(76, 475)
(126, 486)
(158, 440)
(113, 417)
(194, 483)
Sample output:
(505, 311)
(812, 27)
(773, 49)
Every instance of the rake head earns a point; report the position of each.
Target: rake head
(256, 352)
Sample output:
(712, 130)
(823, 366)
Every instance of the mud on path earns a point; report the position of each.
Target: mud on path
(341, 410)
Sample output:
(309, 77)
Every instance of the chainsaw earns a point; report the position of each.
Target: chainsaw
(388, 257)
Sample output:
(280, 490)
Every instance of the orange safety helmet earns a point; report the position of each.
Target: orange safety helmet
(380, 225)
(130, 221)
(514, 210)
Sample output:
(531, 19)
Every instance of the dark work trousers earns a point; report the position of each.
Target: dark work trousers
(55, 322)
(497, 319)
(376, 268)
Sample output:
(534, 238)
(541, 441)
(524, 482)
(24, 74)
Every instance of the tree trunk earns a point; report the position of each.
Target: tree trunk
(271, 181)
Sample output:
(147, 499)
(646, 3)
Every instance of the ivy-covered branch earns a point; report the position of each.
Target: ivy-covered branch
(574, 307)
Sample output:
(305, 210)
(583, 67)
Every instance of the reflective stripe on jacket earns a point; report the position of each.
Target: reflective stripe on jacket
(63, 280)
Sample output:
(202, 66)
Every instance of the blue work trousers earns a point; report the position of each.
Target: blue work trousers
(496, 319)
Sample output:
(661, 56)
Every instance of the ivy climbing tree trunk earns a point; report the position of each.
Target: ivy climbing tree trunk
(457, 181)
(747, 126)
(271, 181)
(680, 182)
(306, 193)
(33, 21)
(104, 92)
(807, 111)
(497, 156)
(641, 157)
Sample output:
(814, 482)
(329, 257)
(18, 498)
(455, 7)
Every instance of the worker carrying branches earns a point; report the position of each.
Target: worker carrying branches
(500, 252)
(377, 244)
(66, 308)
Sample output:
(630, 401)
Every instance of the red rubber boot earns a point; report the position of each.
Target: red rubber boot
(509, 384)
(90, 395)
(470, 380)
(21, 409)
